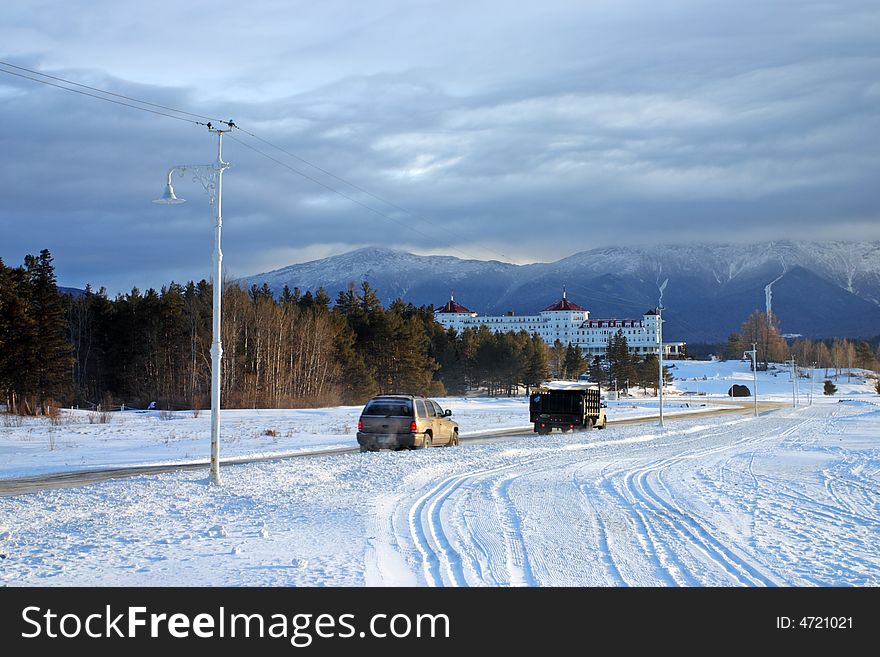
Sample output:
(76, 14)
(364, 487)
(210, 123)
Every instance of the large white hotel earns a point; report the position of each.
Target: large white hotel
(569, 323)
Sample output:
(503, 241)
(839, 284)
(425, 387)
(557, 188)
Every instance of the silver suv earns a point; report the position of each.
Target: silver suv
(405, 422)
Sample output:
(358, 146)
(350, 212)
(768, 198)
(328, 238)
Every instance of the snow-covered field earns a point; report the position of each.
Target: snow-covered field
(134, 438)
(789, 498)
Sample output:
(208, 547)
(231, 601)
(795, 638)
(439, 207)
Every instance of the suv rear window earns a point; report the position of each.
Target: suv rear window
(389, 407)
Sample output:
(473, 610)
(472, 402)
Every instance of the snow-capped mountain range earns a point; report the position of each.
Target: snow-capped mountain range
(818, 289)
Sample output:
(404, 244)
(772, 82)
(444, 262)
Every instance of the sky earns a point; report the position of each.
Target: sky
(482, 129)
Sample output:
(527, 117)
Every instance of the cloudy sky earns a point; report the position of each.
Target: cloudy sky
(487, 129)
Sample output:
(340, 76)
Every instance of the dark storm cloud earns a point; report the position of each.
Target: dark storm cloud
(531, 133)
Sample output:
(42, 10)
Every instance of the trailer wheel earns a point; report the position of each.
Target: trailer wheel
(588, 424)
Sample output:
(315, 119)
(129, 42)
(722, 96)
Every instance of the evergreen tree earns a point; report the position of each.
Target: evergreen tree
(575, 363)
(512, 363)
(18, 335)
(863, 356)
(647, 372)
(557, 360)
(358, 383)
(322, 300)
(598, 373)
(537, 367)
(445, 348)
(620, 362)
(829, 387)
(52, 359)
(735, 347)
(402, 358)
(286, 297)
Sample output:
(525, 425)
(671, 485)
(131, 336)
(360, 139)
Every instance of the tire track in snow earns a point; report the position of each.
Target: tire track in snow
(823, 510)
(602, 533)
(426, 526)
(669, 570)
(436, 551)
(646, 502)
(420, 524)
(688, 527)
(664, 567)
(519, 568)
(738, 567)
(859, 495)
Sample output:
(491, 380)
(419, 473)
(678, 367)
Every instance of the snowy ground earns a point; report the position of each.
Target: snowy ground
(789, 498)
(137, 438)
(148, 438)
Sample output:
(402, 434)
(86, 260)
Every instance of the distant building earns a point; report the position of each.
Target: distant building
(570, 324)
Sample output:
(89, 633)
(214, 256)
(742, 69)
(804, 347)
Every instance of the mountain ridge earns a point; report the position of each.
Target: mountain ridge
(712, 286)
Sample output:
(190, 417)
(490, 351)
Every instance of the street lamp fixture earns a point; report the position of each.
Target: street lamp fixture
(211, 178)
(169, 198)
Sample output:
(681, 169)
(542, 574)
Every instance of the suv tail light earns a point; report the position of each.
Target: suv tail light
(413, 427)
(360, 425)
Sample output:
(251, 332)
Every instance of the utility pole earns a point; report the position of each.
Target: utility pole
(812, 376)
(793, 382)
(211, 178)
(753, 354)
(660, 344)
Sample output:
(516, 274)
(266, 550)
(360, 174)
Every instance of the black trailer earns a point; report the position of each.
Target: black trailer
(567, 408)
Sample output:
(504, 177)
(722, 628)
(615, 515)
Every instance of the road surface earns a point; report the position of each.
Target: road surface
(23, 485)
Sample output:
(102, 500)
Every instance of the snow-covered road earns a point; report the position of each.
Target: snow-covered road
(782, 500)
(789, 498)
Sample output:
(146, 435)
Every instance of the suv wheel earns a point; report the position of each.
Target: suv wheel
(455, 441)
(428, 442)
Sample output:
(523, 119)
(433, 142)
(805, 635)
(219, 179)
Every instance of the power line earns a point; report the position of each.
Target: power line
(340, 193)
(109, 100)
(103, 91)
(141, 103)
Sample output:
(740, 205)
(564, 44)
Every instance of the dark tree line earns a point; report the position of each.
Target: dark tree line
(35, 354)
(293, 349)
(499, 363)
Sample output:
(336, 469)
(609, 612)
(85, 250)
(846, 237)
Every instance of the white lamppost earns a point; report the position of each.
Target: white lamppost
(211, 178)
(812, 375)
(753, 354)
(660, 342)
